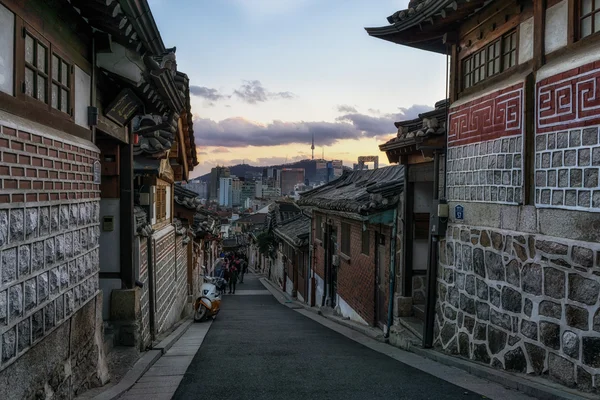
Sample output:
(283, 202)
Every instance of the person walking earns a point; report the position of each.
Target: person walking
(233, 277)
(243, 269)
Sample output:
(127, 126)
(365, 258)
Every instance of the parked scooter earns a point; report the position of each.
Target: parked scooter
(208, 304)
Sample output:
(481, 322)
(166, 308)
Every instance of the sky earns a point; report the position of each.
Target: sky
(267, 75)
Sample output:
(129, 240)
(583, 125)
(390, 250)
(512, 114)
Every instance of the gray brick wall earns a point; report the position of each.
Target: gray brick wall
(490, 171)
(567, 166)
(49, 230)
(171, 278)
(144, 298)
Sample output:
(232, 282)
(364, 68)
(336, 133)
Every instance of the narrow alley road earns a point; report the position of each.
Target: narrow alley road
(260, 349)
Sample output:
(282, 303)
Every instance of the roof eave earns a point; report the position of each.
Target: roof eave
(140, 16)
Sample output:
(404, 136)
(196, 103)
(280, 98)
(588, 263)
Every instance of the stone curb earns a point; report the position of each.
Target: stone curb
(543, 390)
(144, 364)
(294, 304)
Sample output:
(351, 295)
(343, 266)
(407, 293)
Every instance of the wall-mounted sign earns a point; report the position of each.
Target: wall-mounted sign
(123, 108)
(108, 223)
(97, 172)
(459, 212)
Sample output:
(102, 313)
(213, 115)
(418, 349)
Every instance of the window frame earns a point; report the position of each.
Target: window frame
(479, 60)
(62, 60)
(38, 40)
(366, 234)
(160, 203)
(23, 29)
(346, 238)
(579, 17)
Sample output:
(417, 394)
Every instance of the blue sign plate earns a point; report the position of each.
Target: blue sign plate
(459, 212)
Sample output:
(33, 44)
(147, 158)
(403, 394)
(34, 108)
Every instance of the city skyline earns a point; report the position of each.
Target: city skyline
(253, 88)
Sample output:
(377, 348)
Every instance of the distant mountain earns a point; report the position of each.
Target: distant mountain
(240, 170)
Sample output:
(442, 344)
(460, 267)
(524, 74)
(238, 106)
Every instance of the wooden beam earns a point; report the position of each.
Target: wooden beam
(183, 150)
(539, 28)
(573, 27)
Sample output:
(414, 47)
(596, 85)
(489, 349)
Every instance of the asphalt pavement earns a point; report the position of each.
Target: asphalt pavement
(260, 349)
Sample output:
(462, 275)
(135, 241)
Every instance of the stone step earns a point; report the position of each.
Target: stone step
(419, 311)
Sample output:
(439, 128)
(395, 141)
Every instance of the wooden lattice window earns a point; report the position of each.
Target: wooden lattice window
(589, 17)
(346, 235)
(366, 242)
(161, 203)
(36, 67)
(61, 84)
(495, 57)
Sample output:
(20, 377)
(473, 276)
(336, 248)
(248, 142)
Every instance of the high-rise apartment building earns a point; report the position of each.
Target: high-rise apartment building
(289, 178)
(225, 192)
(236, 192)
(215, 175)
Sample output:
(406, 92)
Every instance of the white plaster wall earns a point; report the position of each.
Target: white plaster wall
(277, 270)
(526, 41)
(289, 286)
(572, 59)
(7, 40)
(320, 286)
(110, 243)
(347, 312)
(83, 87)
(557, 23)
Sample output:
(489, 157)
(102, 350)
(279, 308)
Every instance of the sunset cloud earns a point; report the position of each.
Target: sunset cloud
(253, 92)
(240, 132)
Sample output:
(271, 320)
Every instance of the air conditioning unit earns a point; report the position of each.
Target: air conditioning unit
(335, 260)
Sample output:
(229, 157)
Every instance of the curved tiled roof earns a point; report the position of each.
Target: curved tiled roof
(431, 123)
(295, 230)
(360, 192)
(187, 198)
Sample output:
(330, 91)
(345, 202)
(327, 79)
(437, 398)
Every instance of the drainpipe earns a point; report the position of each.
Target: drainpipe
(392, 273)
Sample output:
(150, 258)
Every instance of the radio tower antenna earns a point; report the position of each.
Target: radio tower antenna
(312, 147)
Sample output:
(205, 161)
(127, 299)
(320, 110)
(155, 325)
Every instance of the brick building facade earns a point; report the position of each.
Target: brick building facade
(517, 278)
(353, 220)
(49, 207)
(68, 239)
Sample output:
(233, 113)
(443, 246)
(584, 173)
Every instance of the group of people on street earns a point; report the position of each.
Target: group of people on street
(231, 270)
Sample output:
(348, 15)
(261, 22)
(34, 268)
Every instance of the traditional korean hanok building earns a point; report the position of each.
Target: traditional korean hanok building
(419, 146)
(517, 283)
(289, 228)
(146, 143)
(196, 219)
(279, 213)
(354, 219)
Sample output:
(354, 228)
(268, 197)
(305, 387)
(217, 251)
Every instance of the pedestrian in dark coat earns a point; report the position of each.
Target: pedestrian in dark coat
(233, 277)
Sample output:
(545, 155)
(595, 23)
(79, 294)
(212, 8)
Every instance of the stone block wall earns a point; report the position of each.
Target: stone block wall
(49, 230)
(567, 160)
(171, 278)
(144, 323)
(521, 302)
(485, 148)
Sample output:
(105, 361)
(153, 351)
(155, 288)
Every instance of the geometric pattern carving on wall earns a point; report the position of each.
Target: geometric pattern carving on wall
(569, 100)
(489, 117)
